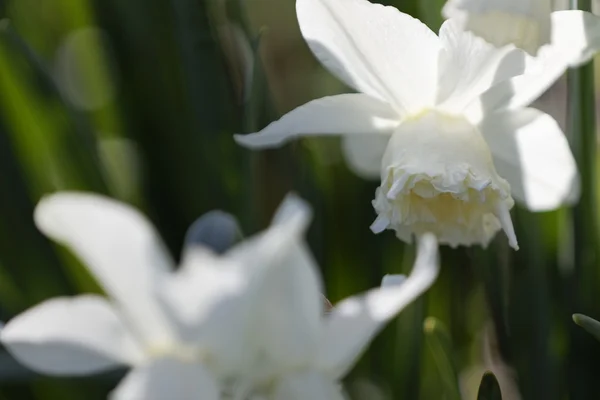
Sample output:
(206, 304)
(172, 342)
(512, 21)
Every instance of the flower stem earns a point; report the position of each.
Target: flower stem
(581, 288)
(582, 125)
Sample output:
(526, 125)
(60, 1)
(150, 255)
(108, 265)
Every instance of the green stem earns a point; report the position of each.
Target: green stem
(582, 124)
(582, 288)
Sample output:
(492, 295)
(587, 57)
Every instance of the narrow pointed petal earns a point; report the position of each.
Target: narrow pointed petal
(70, 336)
(118, 245)
(575, 39)
(292, 211)
(353, 322)
(363, 154)
(469, 66)
(375, 49)
(168, 379)
(503, 215)
(265, 249)
(344, 114)
(532, 154)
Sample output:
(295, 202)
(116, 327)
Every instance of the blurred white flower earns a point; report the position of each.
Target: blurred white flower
(525, 23)
(442, 121)
(393, 280)
(181, 332)
(302, 353)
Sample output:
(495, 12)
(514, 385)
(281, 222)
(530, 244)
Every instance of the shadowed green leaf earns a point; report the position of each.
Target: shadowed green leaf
(439, 342)
(589, 324)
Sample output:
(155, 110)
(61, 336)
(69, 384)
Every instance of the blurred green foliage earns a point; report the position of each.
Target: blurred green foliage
(139, 100)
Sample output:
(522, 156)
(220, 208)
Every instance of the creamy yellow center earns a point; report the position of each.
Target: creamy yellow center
(438, 176)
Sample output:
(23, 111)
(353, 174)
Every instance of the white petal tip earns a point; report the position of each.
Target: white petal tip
(393, 280)
(293, 208)
(260, 140)
(380, 224)
(512, 242)
(503, 216)
(243, 140)
(49, 210)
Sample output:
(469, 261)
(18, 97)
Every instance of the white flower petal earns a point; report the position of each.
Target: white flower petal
(167, 379)
(525, 23)
(363, 154)
(469, 66)
(375, 49)
(575, 39)
(306, 385)
(291, 302)
(354, 321)
(118, 245)
(291, 308)
(207, 299)
(333, 115)
(282, 284)
(393, 280)
(575, 36)
(70, 336)
(266, 249)
(532, 153)
(293, 211)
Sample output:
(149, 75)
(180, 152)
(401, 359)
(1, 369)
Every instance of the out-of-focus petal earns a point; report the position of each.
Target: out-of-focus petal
(306, 385)
(293, 212)
(119, 246)
(344, 114)
(393, 280)
(70, 336)
(354, 321)
(283, 289)
(289, 319)
(206, 300)
(575, 35)
(168, 379)
(575, 39)
(375, 49)
(532, 153)
(525, 23)
(266, 249)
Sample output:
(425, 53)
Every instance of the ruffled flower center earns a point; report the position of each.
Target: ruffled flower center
(438, 176)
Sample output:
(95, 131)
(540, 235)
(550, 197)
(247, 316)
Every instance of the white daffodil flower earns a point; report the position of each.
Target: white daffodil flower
(303, 351)
(441, 120)
(524, 23)
(181, 332)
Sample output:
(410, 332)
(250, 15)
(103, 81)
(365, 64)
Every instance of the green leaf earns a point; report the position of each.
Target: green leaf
(439, 342)
(430, 13)
(589, 324)
(489, 389)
